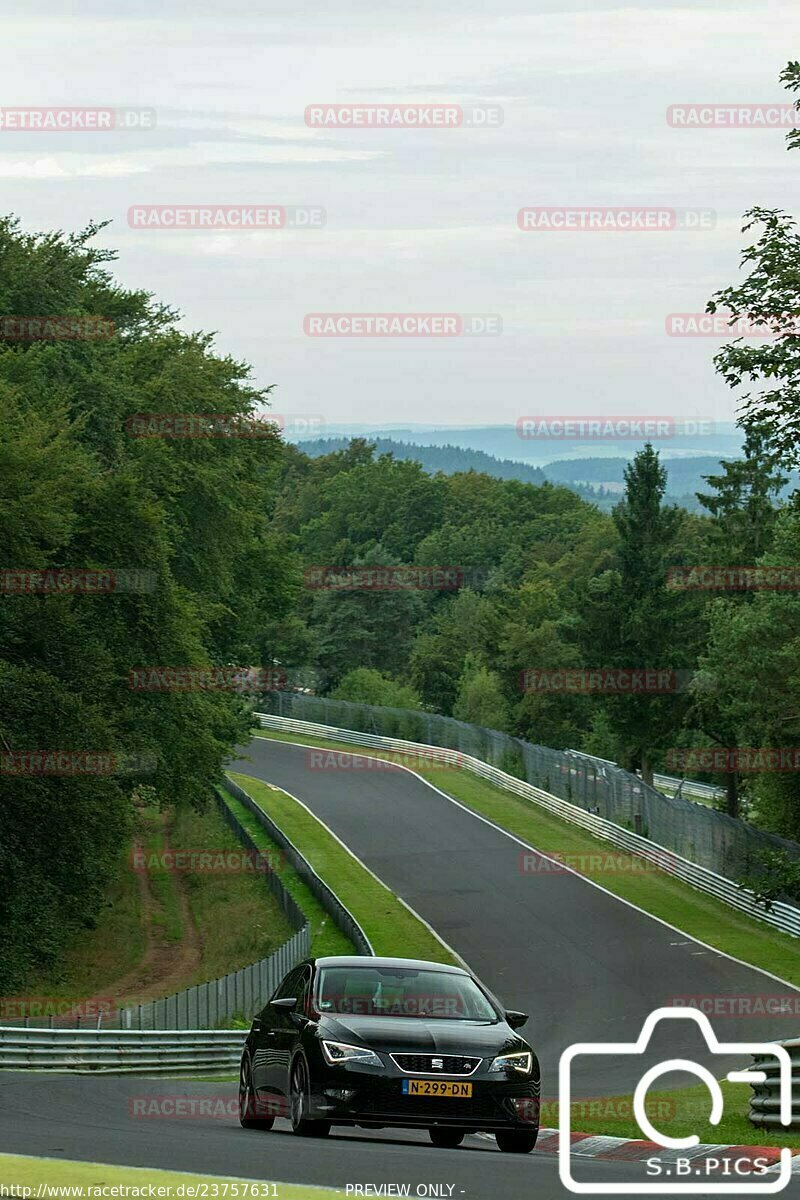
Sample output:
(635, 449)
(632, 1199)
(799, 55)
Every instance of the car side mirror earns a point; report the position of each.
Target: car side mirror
(285, 1002)
(516, 1019)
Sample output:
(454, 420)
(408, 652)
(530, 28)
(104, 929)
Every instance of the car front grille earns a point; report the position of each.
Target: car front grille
(429, 1064)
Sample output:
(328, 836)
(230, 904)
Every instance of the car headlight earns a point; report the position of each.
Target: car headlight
(341, 1052)
(522, 1062)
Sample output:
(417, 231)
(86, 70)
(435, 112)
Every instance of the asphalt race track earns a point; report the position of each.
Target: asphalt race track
(73, 1117)
(586, 966)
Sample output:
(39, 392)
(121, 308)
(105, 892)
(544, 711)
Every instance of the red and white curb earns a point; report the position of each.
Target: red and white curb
(588, 1145)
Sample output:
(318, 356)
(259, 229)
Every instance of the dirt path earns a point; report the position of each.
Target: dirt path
(165, 966)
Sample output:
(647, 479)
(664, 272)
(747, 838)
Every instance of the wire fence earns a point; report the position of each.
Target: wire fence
(703, 835)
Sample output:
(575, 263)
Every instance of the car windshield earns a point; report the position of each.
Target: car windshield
(402, 992)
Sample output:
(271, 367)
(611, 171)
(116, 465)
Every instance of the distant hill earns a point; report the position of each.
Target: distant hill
(685, 476)
(720, 439)
(600, 481)
(451, 460)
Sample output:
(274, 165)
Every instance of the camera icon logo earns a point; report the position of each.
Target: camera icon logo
(704, 1187)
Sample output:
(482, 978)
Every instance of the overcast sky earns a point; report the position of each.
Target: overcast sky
(418, 220)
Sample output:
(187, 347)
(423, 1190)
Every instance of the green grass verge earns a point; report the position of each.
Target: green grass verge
(18, 1171)
(631, 879)
(678, 1114)
(326, 938)
(388, 924)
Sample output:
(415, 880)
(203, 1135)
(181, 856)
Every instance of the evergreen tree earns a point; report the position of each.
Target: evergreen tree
(631, 619)
(742, 501)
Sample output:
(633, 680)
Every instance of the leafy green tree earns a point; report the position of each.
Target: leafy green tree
(368, 686)
(480, 697)
(363, 627)
(751, 669)
(460, 625)
(768, 298)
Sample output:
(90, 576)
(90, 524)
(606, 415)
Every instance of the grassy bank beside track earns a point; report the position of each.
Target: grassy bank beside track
(628, 877)
(20, 1171)
(390, 926)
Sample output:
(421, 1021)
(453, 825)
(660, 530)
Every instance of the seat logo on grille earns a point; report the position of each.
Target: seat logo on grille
(437, 1064)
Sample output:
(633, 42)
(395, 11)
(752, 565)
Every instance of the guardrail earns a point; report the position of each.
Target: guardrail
(764, 1102)
(689, 787)
(120, 1051)
(781, 916)
(341, 916)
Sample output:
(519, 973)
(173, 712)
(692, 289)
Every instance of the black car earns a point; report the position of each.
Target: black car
(378, 1042)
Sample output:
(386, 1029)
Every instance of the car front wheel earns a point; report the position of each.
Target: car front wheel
(299, 1090)
(516, 1141)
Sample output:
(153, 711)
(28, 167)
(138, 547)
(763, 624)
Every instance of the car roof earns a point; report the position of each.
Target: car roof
(367, 960)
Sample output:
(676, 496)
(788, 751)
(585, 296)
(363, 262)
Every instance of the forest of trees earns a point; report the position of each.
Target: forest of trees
(550, 583)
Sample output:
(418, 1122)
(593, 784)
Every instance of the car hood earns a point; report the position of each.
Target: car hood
(415, 1035)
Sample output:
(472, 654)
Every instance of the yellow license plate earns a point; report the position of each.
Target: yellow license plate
(436, 1087)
